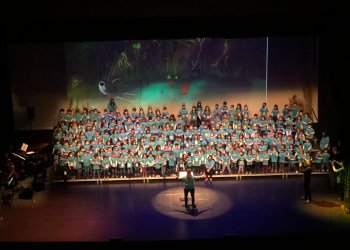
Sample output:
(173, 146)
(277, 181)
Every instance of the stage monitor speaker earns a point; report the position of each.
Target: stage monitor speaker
(38, 185)
(26, 194)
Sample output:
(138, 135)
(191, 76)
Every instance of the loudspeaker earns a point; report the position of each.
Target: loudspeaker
(26, 194)
(30, 113)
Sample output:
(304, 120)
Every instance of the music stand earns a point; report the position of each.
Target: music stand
(24, 149)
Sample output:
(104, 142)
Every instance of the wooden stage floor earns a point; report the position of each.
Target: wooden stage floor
(134, 211)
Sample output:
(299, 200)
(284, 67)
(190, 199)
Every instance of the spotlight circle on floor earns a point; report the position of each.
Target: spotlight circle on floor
(210, 203)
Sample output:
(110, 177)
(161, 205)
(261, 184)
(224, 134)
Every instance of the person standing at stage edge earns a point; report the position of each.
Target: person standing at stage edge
(307, 171)
(335, 159)
(189, 181)
(339, 172)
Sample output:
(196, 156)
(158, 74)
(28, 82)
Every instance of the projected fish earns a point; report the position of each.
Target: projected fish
(113, 89)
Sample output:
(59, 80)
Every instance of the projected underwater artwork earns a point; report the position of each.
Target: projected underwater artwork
(157, 73)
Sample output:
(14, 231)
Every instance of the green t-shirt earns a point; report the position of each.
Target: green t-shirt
(189, 183)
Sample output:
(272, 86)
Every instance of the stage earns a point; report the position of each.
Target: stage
(251, 207)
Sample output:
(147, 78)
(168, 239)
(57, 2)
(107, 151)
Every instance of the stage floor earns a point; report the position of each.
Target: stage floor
(252, 207)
